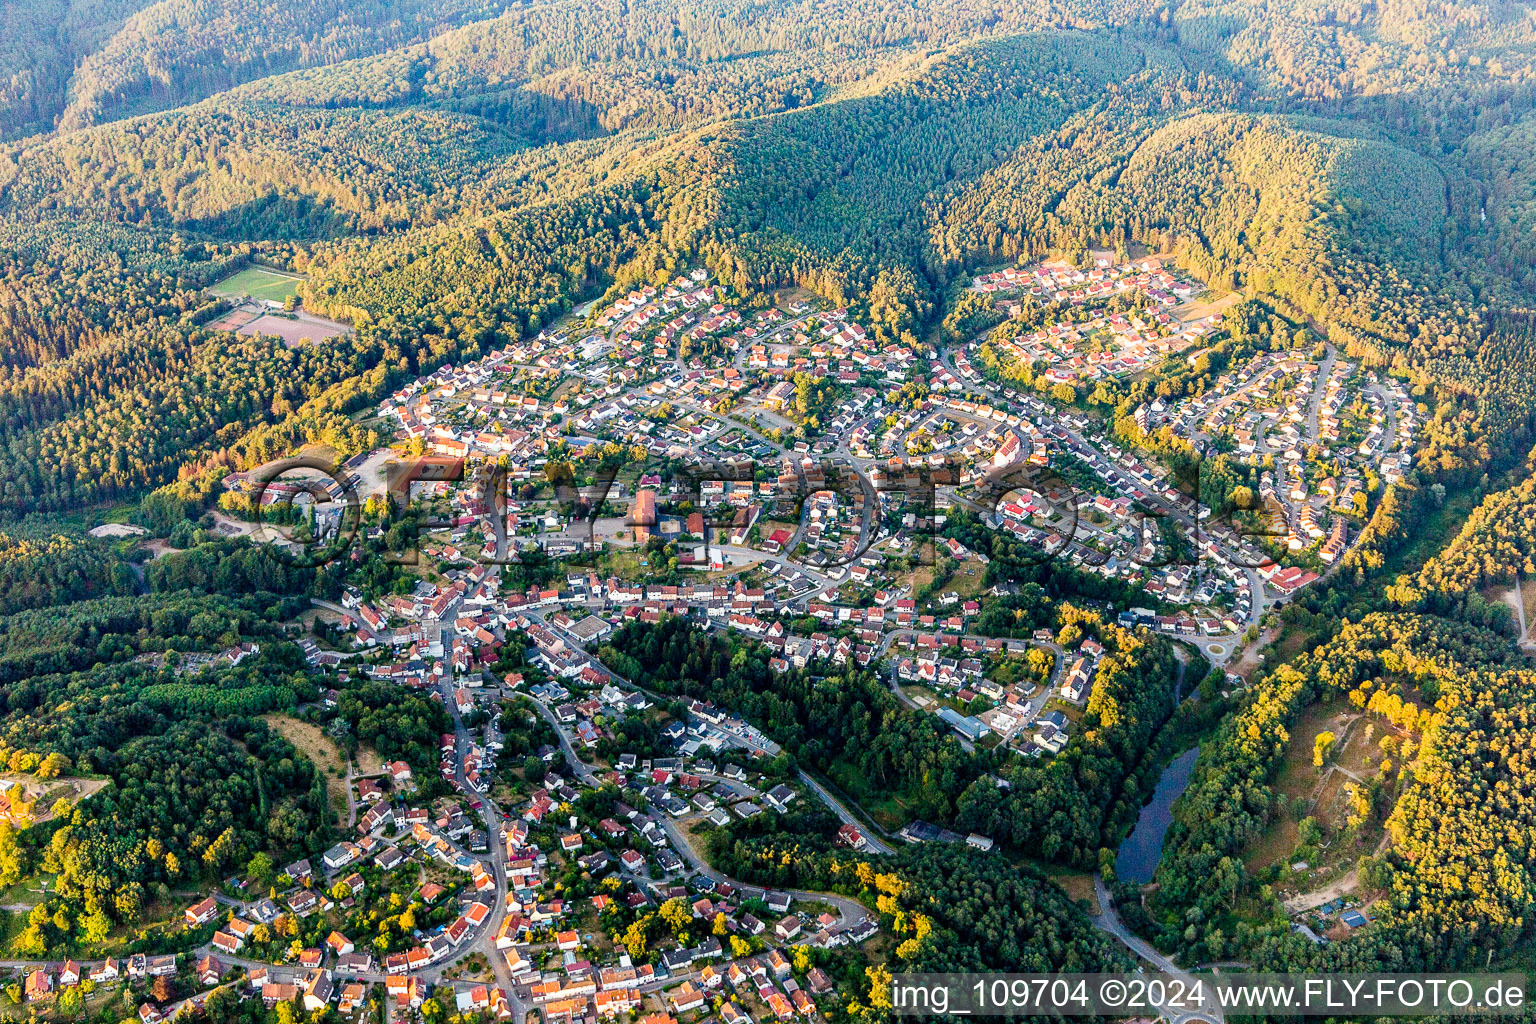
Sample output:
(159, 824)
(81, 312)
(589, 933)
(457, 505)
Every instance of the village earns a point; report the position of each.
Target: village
(479, 888)
(779, 475)
(780, 459)
(1106, 343)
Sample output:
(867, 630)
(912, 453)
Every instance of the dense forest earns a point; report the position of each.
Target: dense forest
(1457, 872)
(452, 193)
(80, 63)
(951, 908)
(111, 679)
(1493, 550)
(847, 723)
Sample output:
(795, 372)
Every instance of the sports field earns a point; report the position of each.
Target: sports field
(295, 329)
(259, 283)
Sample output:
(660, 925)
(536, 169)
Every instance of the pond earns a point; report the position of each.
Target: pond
(1137, 858)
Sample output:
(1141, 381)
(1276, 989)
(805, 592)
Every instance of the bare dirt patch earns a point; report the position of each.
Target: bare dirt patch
(1252, 654)
(1344, 884)
(118, 530)
(235, 320)
(30, 800)
(159, 548)
(301, 329)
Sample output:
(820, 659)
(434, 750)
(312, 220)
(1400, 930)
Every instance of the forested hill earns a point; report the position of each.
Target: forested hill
(452, 176)
(74, 63)
(80, 62)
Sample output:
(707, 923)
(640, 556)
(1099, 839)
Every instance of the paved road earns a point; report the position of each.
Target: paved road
(1078, 444)
(851, 911)
(1036, 703)
(824, 583)
(483, 941)
(373, 977)
(844, 815)
(1388, 416)
(1314, 407)
(1083, 447)
(1108, 920)
(490, 814)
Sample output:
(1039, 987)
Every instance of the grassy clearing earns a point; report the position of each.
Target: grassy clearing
(1360, 752)
(314, 743)
(259, 283)
(1298, 780)
(1298, 775)
(1331, 807)
(888, 810)
(968, 580)
(29, 891)
(1073, 712)
(322, 751)
(922, 696)
(323, 614)
(1079, 888)
(1323, 793)
(625, 563)
(1278, 842)
(1276, 647)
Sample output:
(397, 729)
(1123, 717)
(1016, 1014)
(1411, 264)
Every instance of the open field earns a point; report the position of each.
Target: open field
(323, 751)
(1206, 305)
(968, 580)
(295, 329)
(266, 288)
(258, 283)
(1079, 888)
(1299, 776)
(1277, 843)
(1324, 794)
(1298, 780)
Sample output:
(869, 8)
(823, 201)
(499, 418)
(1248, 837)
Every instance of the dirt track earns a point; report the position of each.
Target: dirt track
(1341, 886)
